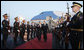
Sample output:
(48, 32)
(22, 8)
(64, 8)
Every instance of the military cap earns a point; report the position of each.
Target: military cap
(4, 15)
(27, 21)
(16, 17)
(76, 4)
(23, 20)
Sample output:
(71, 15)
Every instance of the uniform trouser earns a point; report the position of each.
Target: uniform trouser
(39, 35)
(22, 35)
(16, 35)
(27, 35)
(34, 34)
(45, 35)
(5, 36)
(66, 45)
(31, 34)
(55, 41)
(75, 38)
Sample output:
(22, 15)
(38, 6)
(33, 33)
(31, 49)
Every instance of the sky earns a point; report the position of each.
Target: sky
(29, 9)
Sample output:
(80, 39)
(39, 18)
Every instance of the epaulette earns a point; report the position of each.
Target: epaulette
(78, 15)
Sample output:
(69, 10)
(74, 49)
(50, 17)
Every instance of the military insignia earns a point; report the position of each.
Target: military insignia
(78, 15)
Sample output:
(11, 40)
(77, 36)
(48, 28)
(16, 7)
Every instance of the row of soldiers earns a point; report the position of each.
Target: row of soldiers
(33, 31)
(70, 31)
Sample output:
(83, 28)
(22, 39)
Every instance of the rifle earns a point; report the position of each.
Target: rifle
(67, 29)
(68, 15)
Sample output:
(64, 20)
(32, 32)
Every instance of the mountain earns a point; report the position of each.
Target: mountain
(43, 15)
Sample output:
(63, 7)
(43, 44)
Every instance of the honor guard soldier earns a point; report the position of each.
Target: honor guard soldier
(28, 30)
(16, 29)
(56, 38)
(76, 26)
(23, 27)
(6, 28)
(66, 30)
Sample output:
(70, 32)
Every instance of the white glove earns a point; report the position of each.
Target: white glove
(8, 30)
(67, 23)
(61, 25)
(68, 34)
(18, 30)
(58, 26)
(6, 19)
(25, 30)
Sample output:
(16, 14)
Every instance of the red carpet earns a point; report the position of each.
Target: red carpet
(35, 44)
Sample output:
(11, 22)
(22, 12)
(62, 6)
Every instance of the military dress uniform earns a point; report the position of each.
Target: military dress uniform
(5, 30)
(16, 30)
(55, 38)
(5, 25)
(65, 34)
(76, 27)
(22, 31)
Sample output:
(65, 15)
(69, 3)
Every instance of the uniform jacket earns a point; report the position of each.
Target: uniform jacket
(77, 21)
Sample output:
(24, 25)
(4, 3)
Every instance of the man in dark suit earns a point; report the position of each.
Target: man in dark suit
(44, 28)
(32, 30)
(76, 26)
(39, 31)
